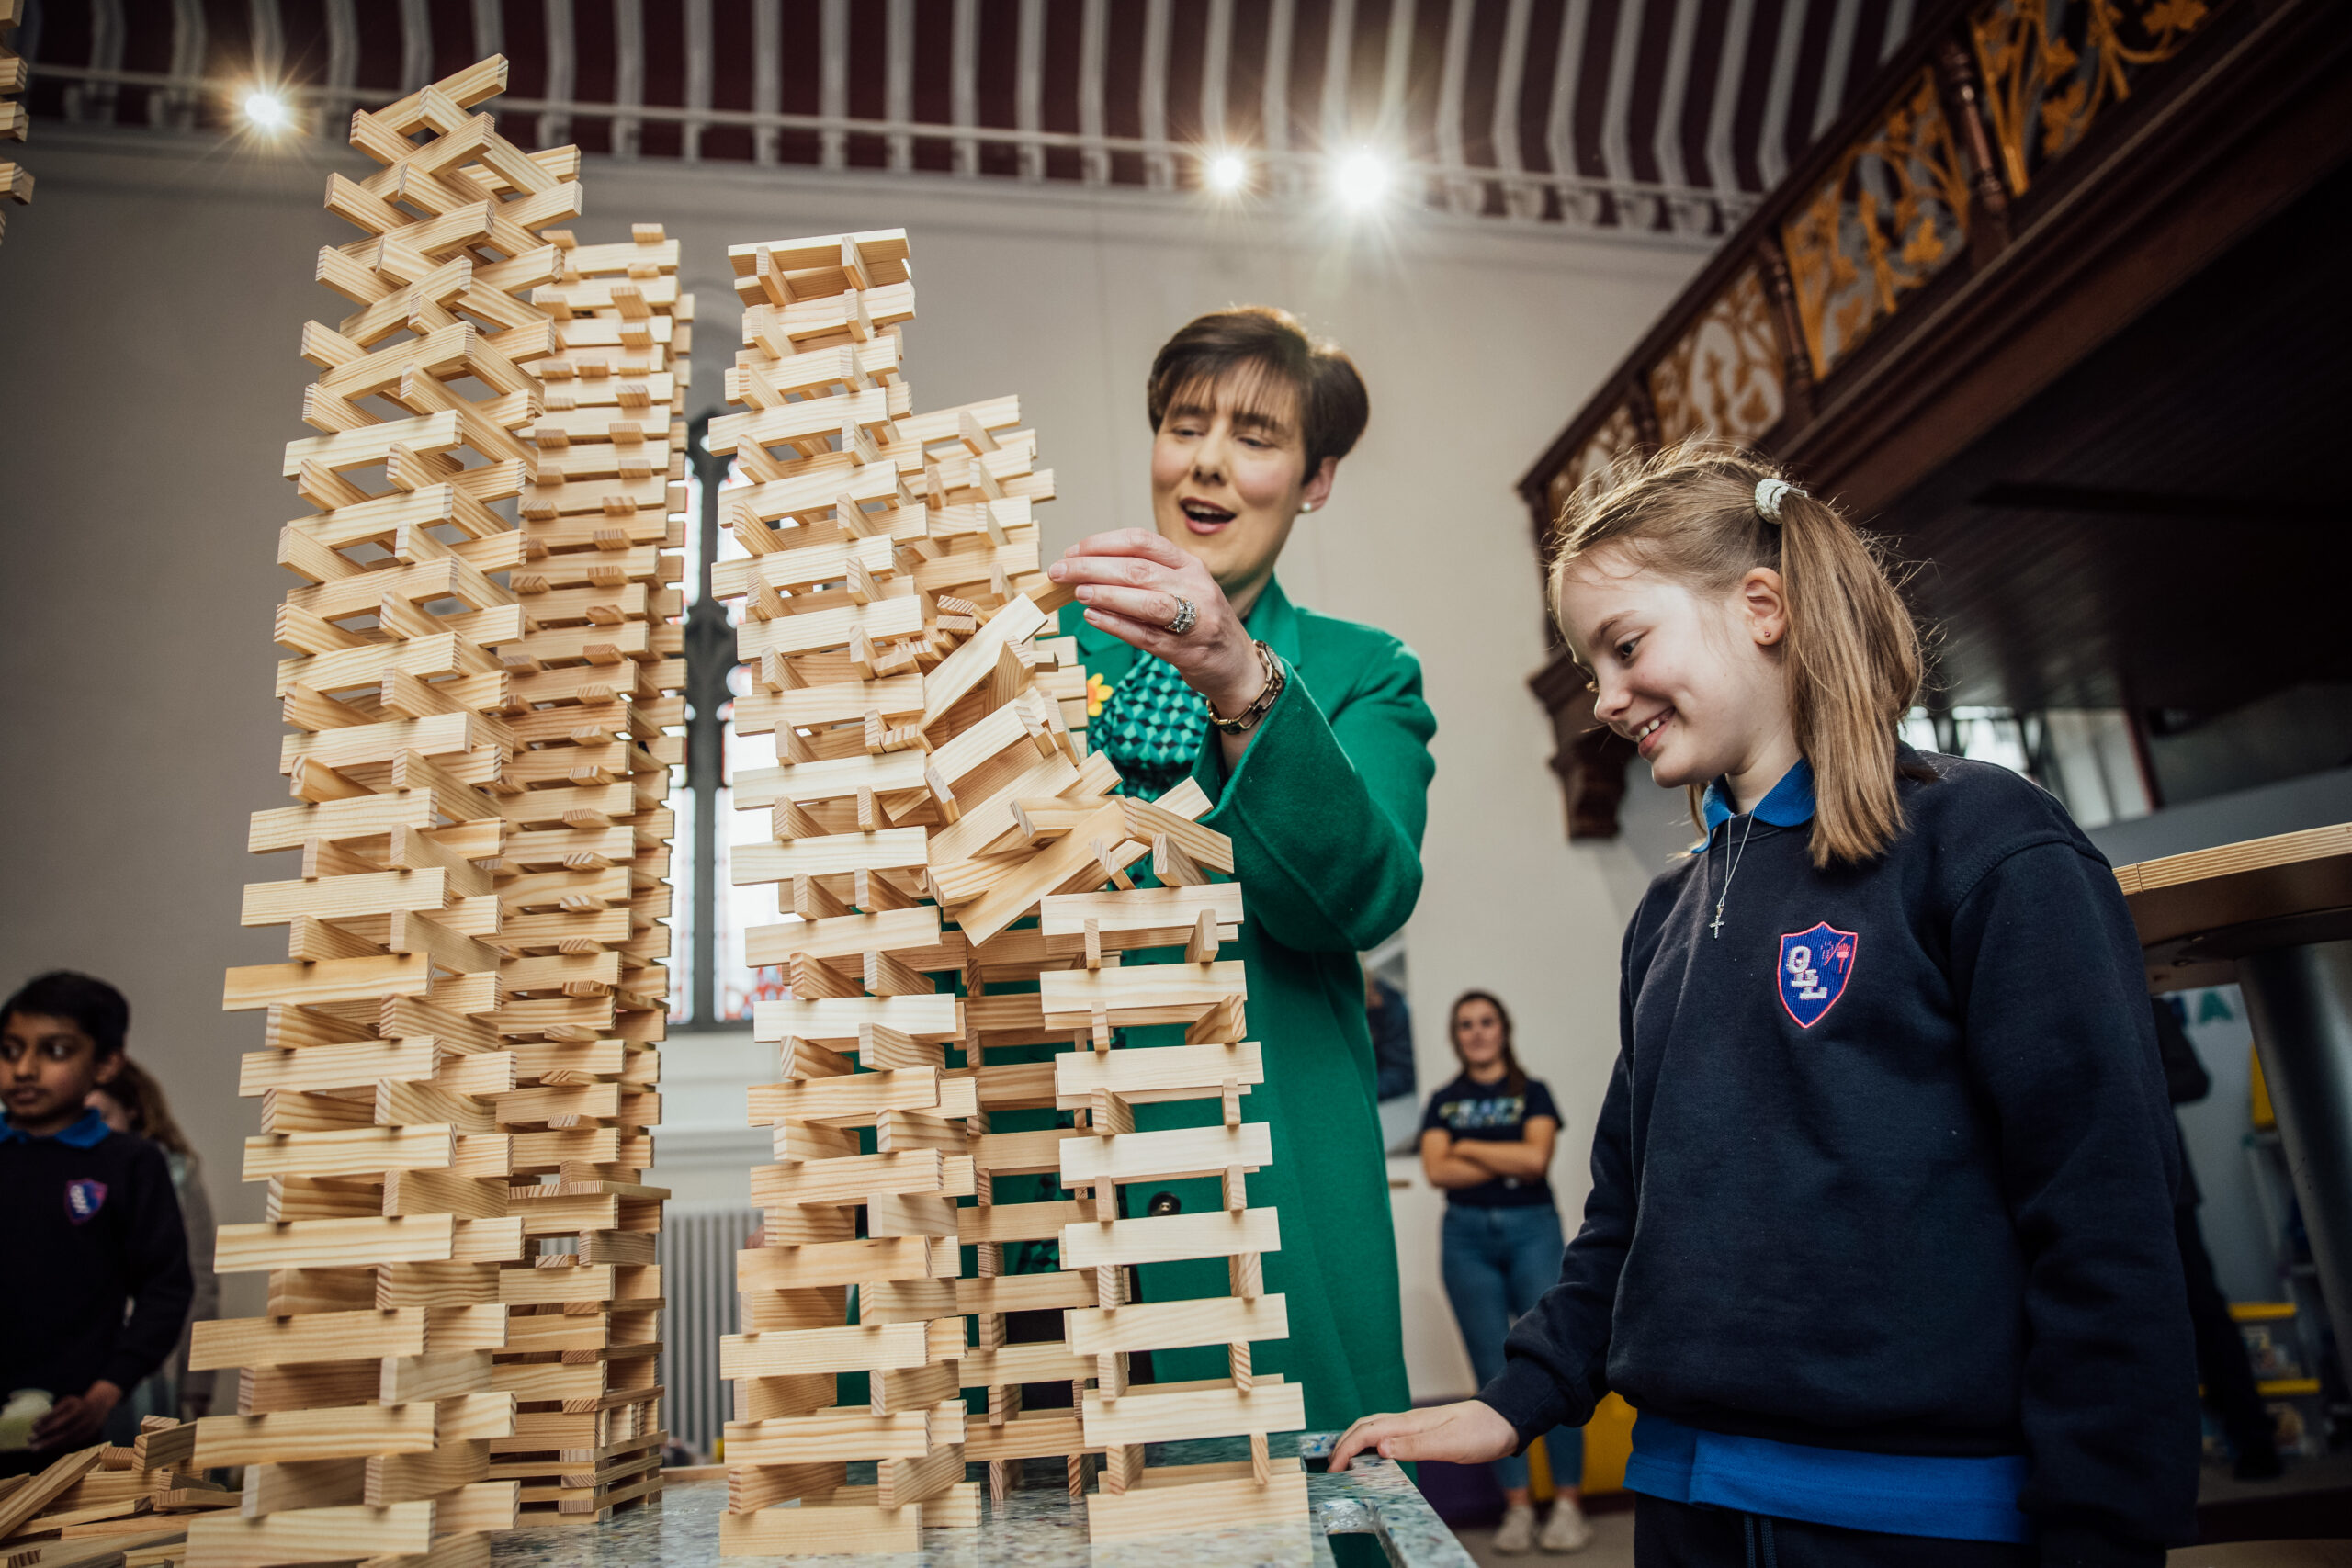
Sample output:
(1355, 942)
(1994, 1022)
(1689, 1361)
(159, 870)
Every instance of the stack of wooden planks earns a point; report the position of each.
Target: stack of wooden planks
(15, 180)
(941, 844)
(110, 1507)
(585, 984)
(438, 984)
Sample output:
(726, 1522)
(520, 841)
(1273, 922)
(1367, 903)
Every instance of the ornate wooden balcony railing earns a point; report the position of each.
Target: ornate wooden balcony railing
(2003, 142)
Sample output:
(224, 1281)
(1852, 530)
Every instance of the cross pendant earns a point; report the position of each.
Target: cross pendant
(1716, 925)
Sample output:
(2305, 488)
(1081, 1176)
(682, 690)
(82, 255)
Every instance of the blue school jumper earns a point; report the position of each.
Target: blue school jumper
(1881, 1226)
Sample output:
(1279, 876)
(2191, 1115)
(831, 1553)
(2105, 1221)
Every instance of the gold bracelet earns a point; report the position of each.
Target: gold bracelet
(1249, 717)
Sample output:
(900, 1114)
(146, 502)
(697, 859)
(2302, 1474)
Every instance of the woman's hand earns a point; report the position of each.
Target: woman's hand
(1466, 1433)
(1129, 580)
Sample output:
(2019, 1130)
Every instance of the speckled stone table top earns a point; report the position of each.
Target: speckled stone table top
(1367, 1517)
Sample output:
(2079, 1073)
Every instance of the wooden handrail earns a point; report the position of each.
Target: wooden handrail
(1916, 180)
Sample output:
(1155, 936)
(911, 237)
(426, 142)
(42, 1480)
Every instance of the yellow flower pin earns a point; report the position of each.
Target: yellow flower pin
(1098, 691)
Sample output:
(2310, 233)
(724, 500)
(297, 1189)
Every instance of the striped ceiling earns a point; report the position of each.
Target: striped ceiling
(1654, 114)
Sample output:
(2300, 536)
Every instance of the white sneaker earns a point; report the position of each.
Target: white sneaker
(1565, 1530)
(1517, 1532)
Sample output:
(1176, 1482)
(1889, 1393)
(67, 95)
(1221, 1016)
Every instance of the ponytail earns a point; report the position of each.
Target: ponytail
(1854, 668)
(1707, 515)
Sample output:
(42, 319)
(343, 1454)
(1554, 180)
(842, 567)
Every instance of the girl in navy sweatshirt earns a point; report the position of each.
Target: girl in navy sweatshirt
(1880, 1240)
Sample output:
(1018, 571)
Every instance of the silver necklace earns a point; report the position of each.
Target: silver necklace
(1716, 925)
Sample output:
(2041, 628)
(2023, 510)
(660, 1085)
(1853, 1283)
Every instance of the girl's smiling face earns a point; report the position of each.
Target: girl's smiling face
(1693, 679)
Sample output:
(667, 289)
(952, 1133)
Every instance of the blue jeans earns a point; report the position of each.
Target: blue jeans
(1496, 1261)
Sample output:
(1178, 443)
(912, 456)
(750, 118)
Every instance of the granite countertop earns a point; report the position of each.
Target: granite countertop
(1374, 1513)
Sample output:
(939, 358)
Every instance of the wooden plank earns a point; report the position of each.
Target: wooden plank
(343, 897)
(856, 1347)
(1170, 1239)
(1156, 1074)
(1066, 866)
(1045, 1362)
(1020, 1222)
(326, 981)
(851, 1432)
(819, 1264)
(850, 1179)
(1140, 994)
(1041, 1436)
(1016, 621)
(858, 1099)
(427, 436)
(348, 1066)
(1179, 1504)
(843, 702)
(29, 1499)
(823, 1019)
(355, 1151)
(1146, 909)
(836, 778)
(312, 1337)
(310, 1535)
(1023, 1153)
(2230, 884)
(883, 930)
(1172, 1155)
(831, 854)
(1026, 1293)
(358, 1244)
(288, 1436)
(814, 631)
(1141, 1415)
(802, 1532)
(1171, 1325)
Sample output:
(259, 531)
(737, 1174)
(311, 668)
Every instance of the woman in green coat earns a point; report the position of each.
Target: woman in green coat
(1311, 737)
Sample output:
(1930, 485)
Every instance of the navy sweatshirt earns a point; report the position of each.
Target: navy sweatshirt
(1888, 1165)
(88, 1223)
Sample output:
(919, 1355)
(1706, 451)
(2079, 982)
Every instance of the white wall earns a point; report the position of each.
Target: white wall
(150, 304)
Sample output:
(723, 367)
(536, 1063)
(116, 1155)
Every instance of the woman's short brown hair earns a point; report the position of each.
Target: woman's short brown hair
(1264, 348)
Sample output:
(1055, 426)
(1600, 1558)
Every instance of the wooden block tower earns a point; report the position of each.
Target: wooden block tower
(420, 986)
(930, 794)
(601, 584)
(15, 180)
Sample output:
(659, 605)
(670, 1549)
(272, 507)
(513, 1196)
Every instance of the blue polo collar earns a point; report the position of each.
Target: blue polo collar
(1788, 804)
(88, 1132)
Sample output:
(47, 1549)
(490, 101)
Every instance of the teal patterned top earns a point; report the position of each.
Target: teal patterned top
(1153, 728)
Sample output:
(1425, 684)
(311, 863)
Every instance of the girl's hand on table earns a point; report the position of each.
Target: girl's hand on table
(1468, 1432)
(1129, 580)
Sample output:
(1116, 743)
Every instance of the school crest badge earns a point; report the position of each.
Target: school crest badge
(1814, 966)
(84, 1199)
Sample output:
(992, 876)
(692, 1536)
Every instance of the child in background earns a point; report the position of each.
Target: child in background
(132, 1101)
(1880, 1241)
(87, 1222)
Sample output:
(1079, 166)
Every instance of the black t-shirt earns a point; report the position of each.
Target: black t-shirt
(1490, 1111)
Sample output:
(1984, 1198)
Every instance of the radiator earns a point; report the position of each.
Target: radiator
(697, 1252)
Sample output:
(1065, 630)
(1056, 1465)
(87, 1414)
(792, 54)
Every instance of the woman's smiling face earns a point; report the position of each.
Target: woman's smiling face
(1229, 477)
(1478, 1032)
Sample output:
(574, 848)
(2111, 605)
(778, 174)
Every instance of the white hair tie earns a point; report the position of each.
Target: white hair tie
(1769, 495)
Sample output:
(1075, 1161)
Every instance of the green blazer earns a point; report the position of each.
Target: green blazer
(1326, 813)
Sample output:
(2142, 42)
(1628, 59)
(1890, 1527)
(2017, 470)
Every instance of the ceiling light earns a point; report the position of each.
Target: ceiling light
(267, 111)
(1361, 179)
(1227, 172)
